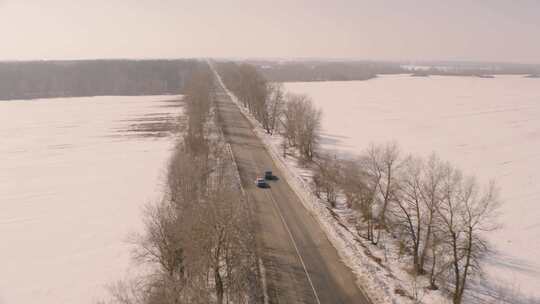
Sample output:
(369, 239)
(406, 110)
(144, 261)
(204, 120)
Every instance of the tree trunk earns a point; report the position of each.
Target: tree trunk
(426, 245)
(432, 283)
(219, 285)
(466, 266)
(416, 261)
(457, 280)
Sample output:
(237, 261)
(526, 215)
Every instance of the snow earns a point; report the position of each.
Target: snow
(488, 127)
(73, 180)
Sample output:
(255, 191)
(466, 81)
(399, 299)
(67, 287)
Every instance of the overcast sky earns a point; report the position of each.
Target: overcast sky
(487, 30)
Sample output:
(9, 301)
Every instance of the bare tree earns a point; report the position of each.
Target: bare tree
(352, 182)
(381, 164)
(368, 199)
(199, 98)
(161, 243)
(327, 178)
(418, 196)
(433, 176)
(187, 176)
(301, 125)
(275, 102)
(310, 131)
(408, 209)
(291, 119)
(466, 212)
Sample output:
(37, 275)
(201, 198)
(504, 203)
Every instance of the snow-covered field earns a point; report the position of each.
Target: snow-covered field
(488, 127)
(73, 179)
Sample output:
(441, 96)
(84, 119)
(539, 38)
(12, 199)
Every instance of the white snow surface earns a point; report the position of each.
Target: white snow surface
(72, 184)
(487, 127)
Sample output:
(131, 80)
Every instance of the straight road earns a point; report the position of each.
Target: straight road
(301, 265)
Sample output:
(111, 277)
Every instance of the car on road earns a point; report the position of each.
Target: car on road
(261, 182)
(268, 175)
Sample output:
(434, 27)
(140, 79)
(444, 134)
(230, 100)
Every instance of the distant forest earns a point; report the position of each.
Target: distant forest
(47, 79)
(291, 71)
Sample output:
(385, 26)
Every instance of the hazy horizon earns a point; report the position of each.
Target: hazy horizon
(419, 30)
(277, 59)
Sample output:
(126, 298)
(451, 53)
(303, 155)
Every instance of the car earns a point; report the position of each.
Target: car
(261, 182)
(268, 175)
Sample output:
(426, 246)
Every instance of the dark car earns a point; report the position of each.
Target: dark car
(268, 175)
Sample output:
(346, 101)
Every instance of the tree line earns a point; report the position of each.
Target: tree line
(324, 70)
(294, 116)
(76, 78)
(198, 240)
(47, 79)
(437, 216)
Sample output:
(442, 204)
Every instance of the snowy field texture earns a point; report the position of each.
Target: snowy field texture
(74, 175)
(488, 127)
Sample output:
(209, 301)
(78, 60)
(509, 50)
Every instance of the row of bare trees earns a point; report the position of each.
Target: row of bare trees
(437, 215)
(248, 85)
(198, 240)
(293, 116)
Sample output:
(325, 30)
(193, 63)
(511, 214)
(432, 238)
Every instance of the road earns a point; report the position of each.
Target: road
(301, 265)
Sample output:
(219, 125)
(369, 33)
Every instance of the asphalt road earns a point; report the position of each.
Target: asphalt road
(301, 265)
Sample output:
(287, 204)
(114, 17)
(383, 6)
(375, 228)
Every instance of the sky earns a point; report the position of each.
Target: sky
(481, 30)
